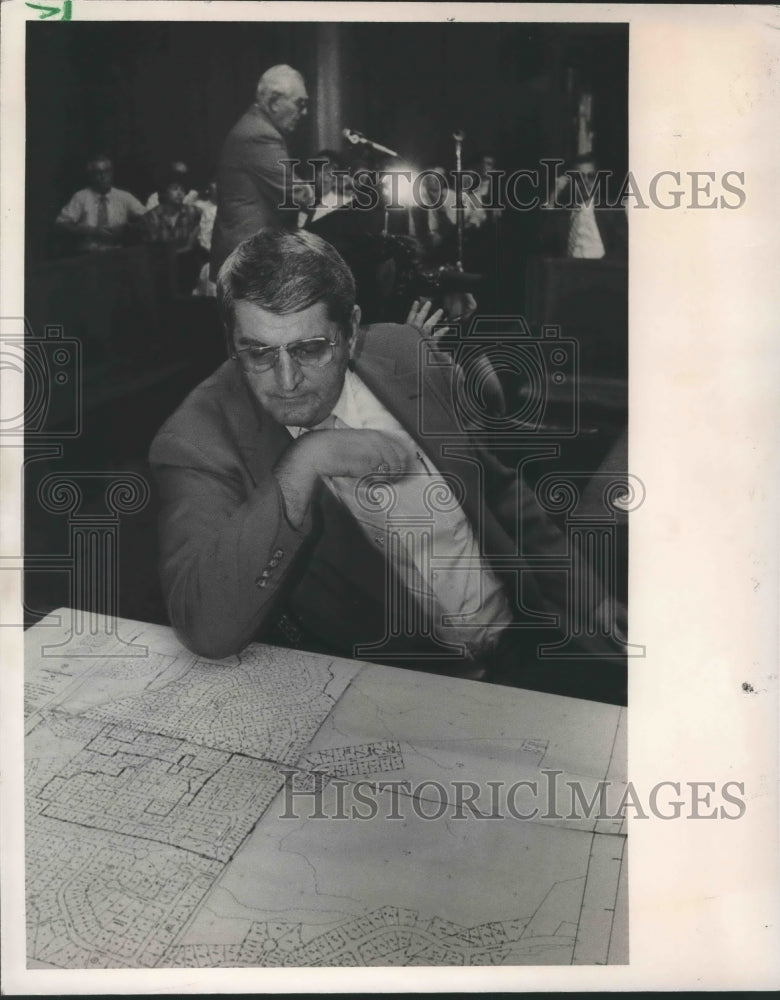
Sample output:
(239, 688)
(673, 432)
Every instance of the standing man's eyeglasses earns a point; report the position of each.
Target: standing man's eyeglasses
(302, 104)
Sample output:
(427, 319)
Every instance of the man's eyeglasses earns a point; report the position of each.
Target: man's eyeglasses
(314, 353)
(302, 104)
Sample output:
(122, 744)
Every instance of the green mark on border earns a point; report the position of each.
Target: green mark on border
(65, 12)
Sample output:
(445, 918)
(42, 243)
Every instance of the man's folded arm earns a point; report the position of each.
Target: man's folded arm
(224, 553)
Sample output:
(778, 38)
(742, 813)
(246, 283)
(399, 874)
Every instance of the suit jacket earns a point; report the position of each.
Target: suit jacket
(251, 184)
(613, 229)
(231, 563)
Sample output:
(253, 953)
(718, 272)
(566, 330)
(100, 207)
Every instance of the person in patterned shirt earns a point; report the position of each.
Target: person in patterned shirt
(174, 223)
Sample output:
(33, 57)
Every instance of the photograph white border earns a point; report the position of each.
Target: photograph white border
(704, 367)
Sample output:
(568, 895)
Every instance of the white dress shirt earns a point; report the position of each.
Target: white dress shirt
(208, 213)
(584, 237)
(461, 601)
(83, 207)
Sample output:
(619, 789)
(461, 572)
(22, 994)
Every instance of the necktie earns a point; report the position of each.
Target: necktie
(102, 212)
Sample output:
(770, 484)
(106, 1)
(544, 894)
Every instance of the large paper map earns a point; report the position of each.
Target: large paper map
(286, 809)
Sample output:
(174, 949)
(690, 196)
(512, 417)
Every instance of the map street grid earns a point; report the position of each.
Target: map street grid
(156, 835)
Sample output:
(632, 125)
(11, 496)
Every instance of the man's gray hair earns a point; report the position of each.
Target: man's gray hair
(285, 272)
(277, 81)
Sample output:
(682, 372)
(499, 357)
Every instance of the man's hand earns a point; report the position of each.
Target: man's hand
(418, 317)
(458, 307)
(303, 194)
(346, 452)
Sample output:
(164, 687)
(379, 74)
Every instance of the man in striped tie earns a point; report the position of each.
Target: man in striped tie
(98, 215)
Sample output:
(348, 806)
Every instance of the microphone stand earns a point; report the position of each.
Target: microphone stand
(444, 276)
(459, 208)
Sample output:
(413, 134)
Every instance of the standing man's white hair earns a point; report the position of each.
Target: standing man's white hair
(278, 80)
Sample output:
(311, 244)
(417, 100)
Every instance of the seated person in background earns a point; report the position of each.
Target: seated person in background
(178, 168)
(277, 476)
(208, 211)
(577, 222)
(177, 225)
(434, 222)
(434, 227)
(207, 206)
(488, 193)
(98, 215)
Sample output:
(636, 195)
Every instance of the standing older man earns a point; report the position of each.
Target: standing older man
(303, 501)
(251, 180)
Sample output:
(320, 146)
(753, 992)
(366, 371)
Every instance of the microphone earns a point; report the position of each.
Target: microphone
(357, 137)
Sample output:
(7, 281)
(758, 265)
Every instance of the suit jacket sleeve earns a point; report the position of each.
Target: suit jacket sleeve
(225, 549)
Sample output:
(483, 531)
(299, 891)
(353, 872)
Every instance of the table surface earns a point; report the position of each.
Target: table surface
(281, 808)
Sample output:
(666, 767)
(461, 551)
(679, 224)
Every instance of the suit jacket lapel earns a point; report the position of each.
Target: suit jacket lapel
(257, 437)
(397, 386)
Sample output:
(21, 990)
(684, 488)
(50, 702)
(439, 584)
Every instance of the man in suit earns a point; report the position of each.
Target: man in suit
(308, 495)
(578, 222)
(251, 179)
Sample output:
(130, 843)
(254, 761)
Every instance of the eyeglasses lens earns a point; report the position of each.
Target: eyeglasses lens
(307, 353)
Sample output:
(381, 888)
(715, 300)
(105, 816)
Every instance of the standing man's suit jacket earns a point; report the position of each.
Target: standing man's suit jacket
(251, 184)
(231, 563)
(613, 229)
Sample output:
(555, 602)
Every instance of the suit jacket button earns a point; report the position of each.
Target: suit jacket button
(261, 583)
(278, 554)
(273, 562)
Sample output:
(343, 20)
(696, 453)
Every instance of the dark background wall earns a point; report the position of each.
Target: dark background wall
(148, 92)
(510, 87)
